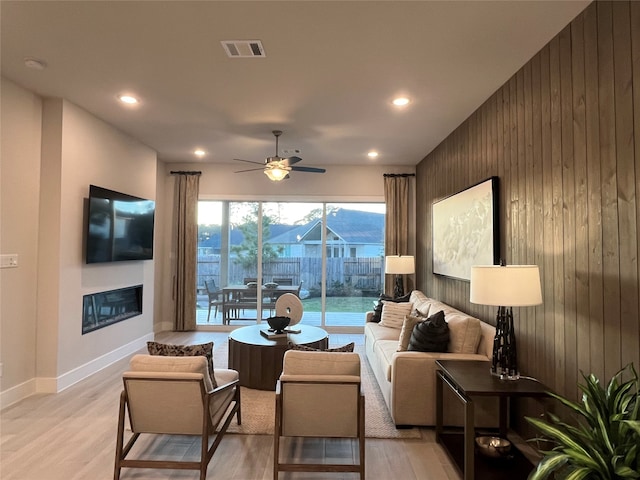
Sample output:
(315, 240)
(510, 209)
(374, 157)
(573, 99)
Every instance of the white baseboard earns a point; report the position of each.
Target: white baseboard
(80, 373)
(17, 393)
(57, 384)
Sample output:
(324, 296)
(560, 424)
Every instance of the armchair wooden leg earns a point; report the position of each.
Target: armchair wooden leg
(361, 437)
(120, 438)
(239, 403)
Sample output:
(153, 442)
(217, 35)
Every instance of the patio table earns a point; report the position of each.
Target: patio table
(242, 297)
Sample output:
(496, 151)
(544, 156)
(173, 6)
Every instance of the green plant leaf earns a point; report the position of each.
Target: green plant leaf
(579, 474)
(548, 465)
(570, 445)
(626, 472)
(634, 424)
(605, 442)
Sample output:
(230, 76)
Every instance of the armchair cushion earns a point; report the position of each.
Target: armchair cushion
(320, 363)
(151, 363)
(204, 350)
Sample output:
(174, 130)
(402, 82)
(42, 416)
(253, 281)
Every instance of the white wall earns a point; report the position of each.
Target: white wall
(52, 153)
(19, 203)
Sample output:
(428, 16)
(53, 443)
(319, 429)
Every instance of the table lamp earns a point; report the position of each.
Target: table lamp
(399, 265)
(505, 287)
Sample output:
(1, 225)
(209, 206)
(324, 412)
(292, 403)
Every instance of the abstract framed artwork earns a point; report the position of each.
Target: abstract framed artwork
(465, 230)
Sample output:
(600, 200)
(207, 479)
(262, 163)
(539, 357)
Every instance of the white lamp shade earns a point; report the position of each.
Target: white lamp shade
(506, 286)
(399, 264)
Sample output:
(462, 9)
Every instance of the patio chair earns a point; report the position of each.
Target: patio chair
(319, 395)
(175, 396)
(215, 297)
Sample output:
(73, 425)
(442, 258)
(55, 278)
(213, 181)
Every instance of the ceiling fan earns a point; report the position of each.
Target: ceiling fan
(277, 168)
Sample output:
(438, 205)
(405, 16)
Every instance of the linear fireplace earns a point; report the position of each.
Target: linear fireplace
(106, 308)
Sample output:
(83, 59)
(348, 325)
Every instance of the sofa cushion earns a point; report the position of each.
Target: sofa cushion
(431, 335)
(393, 313)
(410, 321)
(377, 311)
(465, 333)
(385, 350)
(377, 332)
(421, 303)
(202, 350)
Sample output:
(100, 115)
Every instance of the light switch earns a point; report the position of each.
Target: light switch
(9, 260)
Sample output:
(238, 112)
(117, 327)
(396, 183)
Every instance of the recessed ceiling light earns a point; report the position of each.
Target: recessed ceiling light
(128, 99)
(401, 101)
(198, 152)
(372, 154)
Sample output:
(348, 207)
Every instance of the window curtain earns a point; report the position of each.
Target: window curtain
(186, 243)
(396, 235)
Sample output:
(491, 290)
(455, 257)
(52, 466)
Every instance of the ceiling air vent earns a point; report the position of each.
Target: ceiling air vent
(243, 48)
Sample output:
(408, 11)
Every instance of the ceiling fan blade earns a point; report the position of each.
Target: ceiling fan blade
(308, 169)
(291, 161)
(248, 161)
(249, 170)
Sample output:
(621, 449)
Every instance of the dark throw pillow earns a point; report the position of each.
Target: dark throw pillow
(167, 350)
(377, 311)
(432, 335)
(345, 348)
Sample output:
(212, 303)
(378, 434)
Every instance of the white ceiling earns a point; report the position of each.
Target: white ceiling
(330, 72)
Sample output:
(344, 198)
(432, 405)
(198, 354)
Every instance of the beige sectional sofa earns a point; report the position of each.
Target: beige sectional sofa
(408, 379)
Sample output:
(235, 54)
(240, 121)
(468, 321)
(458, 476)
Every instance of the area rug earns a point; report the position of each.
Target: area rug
(258, 406)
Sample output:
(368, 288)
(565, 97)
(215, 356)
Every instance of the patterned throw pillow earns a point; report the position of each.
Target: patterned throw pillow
(393, 313)
(432, 335)
(377, 311)
(167, 350)
(345, 348)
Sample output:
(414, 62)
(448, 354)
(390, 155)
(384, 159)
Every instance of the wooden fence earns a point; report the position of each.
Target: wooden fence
(343, 274)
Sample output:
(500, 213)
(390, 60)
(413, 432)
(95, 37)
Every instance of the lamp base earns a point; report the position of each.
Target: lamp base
(504, 363)
(398, 291)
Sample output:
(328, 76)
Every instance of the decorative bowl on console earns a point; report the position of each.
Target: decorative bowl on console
(493, 447)
(278, 324)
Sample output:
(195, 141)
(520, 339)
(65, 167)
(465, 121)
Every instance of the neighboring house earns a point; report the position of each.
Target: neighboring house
(350, 233)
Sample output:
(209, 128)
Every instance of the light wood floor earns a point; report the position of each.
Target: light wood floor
(71, 435)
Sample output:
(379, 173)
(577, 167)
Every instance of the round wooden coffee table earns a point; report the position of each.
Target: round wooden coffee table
(259, 360)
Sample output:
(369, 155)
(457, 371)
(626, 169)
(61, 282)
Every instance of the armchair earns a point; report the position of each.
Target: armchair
(175, 396)
(319, 395)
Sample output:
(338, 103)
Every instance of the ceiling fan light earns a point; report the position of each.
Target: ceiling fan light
(276, 173)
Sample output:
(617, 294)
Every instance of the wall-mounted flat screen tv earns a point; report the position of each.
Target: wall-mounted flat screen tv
(119, 227)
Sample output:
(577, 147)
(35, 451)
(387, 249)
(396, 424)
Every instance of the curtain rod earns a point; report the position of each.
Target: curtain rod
(183, 172)
(391, 175)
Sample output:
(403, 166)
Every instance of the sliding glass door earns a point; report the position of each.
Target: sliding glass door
(328, 254)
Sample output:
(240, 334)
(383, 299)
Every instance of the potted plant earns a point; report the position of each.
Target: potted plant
(605, 443)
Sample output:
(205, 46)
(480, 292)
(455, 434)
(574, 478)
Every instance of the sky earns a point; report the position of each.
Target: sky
(210, 212)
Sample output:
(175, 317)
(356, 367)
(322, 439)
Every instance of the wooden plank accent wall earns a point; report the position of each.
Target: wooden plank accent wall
(563, 136)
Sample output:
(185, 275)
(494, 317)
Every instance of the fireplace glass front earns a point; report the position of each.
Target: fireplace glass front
(106, 308)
